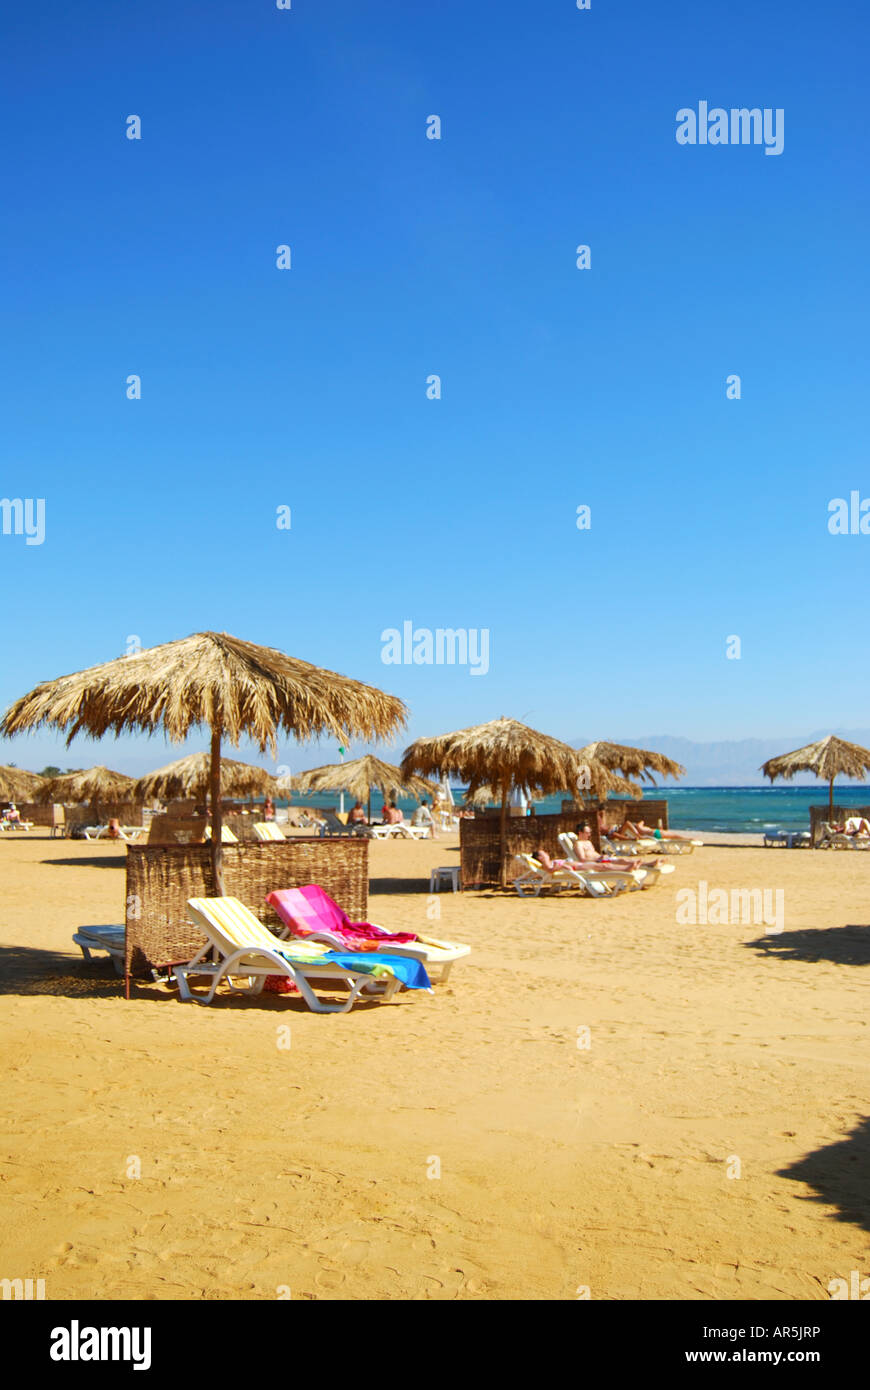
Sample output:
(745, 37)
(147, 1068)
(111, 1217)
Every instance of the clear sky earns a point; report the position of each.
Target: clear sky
(410, 256)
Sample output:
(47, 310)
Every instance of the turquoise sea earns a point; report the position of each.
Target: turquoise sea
(735, 809)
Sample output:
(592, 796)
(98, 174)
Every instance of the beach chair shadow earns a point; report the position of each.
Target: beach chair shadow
(840, 1175)
(848, 945)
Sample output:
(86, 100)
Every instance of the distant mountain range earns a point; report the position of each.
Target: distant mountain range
(732, 762)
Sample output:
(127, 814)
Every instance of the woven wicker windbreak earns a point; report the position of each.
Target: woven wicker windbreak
(161, 878)
(127, 812)
(819, 814)
(479, 838)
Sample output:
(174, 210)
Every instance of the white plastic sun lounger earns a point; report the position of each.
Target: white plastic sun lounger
(306, 914)
(643, 878)
(239, 948)
(594, 885)
(413, 832)
(111, 939)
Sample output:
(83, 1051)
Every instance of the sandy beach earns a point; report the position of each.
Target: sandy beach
(311, 1171)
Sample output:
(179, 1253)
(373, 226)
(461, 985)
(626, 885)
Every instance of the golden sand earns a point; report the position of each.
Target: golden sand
(713, 1050)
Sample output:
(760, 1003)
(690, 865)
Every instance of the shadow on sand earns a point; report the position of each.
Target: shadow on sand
(119, 861)
(840, 1174)
(843, 945)
(26, 970)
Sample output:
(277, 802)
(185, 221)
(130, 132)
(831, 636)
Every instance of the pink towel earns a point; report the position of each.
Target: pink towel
(311, 909)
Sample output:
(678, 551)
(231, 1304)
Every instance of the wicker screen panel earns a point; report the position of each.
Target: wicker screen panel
(839, 816)
(479, 839)
(161, 878)
(127, 812)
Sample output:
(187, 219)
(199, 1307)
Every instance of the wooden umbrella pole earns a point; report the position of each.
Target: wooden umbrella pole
(831, 801)
(503, 833)
(216, 812)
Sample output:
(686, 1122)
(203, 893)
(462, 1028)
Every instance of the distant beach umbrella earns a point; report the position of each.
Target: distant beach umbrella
(191, 777)
(233, 687)
(827, 759)
(630, 762)
(504, 754)
(18, 785)
(359, 776)
(94, 786)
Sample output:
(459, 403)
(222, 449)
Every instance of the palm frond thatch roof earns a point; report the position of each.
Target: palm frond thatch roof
(209, 678)
(93, 785)
(827, 759)
(504, 753)
(18, 785)
(233, 687)
(360, 775)
(631, 762)
(189, 777)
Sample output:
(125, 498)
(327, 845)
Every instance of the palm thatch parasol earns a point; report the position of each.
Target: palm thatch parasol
(828, 758)
(18, 785)
(359, 776)
(190, 777)
(233, 687)
(93, 785)
(630, 762)
(505, 754)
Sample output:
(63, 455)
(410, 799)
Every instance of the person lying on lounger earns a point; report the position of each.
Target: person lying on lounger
(638, 830)
(588, 854)
(856, 825)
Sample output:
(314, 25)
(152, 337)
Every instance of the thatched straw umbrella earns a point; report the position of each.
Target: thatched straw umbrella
(234, 687)
(630, 762)
(18, 785)
(828, 758)
(359, 776)
(94, 786)
(505, 754)
(190, 777)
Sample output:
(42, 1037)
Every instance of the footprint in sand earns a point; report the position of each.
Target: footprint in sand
(329, 1278)
(355, 1251)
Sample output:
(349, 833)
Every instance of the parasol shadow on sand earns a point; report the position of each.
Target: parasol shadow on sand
(848, 945)
(840, 1175)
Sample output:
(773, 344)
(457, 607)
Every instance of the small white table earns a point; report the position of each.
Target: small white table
(450, 874)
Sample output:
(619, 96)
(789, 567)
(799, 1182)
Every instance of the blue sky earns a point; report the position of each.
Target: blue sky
(410, 257)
